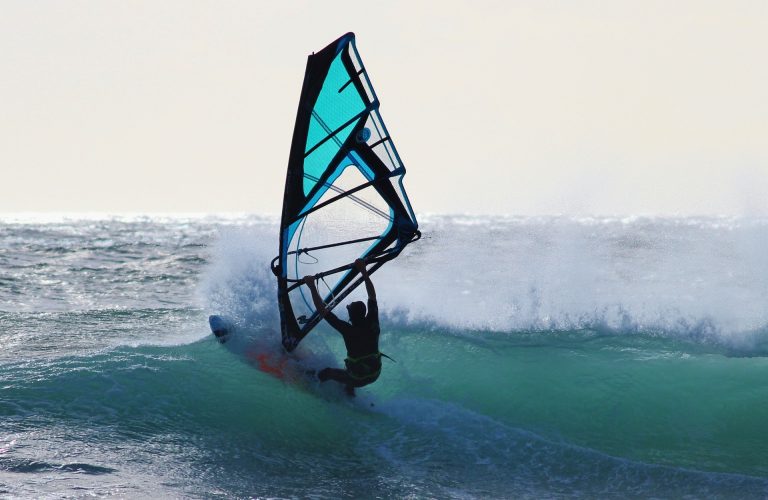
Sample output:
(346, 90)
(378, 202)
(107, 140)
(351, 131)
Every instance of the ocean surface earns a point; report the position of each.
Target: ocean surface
(549, 357)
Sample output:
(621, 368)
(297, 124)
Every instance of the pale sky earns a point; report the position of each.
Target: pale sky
(510, 107)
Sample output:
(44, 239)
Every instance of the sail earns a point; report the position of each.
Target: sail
(344, 196)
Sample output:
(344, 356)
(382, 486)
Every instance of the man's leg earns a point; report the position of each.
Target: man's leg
(340, 376)
(333, 374)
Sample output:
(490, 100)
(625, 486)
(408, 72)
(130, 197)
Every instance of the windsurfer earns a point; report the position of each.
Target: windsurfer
(361, 336)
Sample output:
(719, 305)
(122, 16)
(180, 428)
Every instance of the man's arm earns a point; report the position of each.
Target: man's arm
(360, 266)
(322, 309)
(319, 304)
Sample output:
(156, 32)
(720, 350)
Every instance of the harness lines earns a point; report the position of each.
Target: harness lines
(359, 369)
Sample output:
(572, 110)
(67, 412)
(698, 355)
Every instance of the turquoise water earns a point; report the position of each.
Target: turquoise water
(610, 380)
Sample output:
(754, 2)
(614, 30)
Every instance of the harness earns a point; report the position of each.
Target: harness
(359, 369)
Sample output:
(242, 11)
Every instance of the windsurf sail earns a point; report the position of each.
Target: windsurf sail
(344, 197)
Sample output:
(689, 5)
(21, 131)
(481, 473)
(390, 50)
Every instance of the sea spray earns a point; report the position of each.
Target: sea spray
(535, 357)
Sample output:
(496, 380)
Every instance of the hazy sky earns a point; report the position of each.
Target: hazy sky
(520, 107)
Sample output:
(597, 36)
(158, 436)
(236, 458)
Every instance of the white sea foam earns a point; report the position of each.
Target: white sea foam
(700, 278)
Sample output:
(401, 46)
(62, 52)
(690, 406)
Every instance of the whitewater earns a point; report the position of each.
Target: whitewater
(536, 357)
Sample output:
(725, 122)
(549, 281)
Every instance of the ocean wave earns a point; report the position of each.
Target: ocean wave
(702, 279)
(532, 422)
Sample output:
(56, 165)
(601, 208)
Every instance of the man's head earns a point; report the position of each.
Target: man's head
(356, 312)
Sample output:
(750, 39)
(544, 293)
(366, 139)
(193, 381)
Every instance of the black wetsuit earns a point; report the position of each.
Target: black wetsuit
(363, 356)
